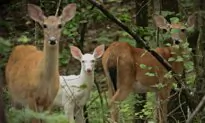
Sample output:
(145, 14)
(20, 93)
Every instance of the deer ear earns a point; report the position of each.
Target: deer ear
(35, 13)
(68, 12)
(160, 22)
(99, 50)
(191, 20)
(76, 52)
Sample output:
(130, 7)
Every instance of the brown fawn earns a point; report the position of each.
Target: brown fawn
(123, 67)
(32, 75)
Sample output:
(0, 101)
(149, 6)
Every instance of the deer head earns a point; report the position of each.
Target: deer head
(87, 60)
(52, 25)
(177, 30)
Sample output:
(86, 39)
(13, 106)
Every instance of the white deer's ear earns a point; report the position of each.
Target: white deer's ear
(76, 52)
(99, 50)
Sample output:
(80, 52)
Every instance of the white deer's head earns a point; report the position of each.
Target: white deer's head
(87, 60)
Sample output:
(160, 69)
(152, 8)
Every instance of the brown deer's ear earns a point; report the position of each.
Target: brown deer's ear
(160, 22)
(68, 12)
(36, 13)
(191, 20)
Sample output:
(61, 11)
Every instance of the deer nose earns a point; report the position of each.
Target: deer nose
(177, 42)
(89, 70)
(52, 40)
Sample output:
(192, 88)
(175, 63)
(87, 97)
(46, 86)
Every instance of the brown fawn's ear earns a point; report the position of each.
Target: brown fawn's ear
(191, 20)
(36, 13)
(68, 12)
(76, 52)
(98, 51)
(161, 22)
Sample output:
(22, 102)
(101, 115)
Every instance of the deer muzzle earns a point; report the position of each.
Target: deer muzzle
(52, 40)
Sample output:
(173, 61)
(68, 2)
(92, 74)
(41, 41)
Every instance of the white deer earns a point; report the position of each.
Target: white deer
(75, 90)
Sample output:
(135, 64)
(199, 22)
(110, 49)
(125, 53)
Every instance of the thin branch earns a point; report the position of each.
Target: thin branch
(83, 26)
(142, 7)
(58, 6)
(197, 109)
(101, 100)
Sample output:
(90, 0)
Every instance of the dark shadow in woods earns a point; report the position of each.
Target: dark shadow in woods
(2, 111)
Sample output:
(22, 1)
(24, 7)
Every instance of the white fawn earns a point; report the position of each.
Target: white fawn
(123, 63)
(32, 75)
(75, 90)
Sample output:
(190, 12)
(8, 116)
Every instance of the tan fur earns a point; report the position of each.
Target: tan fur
(131, 77)
(32, 75)
(24, 74)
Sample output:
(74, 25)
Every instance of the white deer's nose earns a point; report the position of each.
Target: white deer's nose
(89, 70)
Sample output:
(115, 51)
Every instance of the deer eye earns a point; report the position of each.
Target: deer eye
(83, 61)
(183, 30)
(44, 26)
(92, 61)
(59, 26)
(164, 30)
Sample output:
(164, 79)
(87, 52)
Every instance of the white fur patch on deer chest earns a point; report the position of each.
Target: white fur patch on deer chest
(74, 89)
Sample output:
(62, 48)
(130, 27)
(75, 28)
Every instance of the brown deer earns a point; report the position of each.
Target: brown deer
(32, 75)
(123, 67)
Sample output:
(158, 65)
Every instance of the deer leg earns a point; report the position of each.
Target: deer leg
(69, 111)
(113, 107)
(120, 95)
(162, 99)
(80, 115)
(33, 106)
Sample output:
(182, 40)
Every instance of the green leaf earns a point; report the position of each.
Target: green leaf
(143, 66)
(159, 85)
(179, 59)
(174, 31)
(174, 20)
(168, 44)
(168, 75)
(23, 39)
(150, 74)
(83, 86)
(171, 59)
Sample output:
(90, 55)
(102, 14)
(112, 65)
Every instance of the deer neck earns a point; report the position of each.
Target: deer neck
(177, 54)
(50, 61)
(88, 79)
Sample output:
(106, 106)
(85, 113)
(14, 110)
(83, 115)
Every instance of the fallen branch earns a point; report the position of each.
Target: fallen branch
(197, 109)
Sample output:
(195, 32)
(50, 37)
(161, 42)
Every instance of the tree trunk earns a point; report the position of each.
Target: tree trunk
(200, 53)
(141, 20)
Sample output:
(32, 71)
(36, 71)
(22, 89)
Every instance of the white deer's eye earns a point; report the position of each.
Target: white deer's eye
(44, 26)
(83, 61)
(92, 61)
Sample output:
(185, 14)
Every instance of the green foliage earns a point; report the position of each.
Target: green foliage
(64, 57)
(23, 39)
(166, 13)
(174, 20)
(143, 66)
(5, 47)
(151, 74)
(18, 116)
